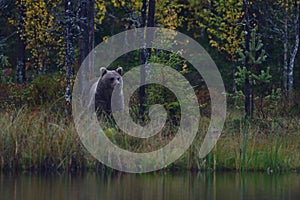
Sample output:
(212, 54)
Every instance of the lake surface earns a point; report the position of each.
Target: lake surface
(162, 185)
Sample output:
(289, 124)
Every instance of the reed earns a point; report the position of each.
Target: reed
(265, 146)
(38, 140)
(44, 139)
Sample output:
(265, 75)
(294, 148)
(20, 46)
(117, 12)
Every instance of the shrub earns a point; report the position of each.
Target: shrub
(42, 90)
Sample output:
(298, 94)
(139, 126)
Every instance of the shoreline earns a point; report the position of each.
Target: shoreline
(44, 140)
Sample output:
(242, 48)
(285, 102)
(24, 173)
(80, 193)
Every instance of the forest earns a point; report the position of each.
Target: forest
(255, 45)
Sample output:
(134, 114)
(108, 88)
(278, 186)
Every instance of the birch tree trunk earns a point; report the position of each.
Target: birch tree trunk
(285, 54)
(293, 55)
(20, 71)
(282, 23)
(69, 60)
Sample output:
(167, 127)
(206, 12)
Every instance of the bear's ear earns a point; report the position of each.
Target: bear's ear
(103, 71)
(119, 70)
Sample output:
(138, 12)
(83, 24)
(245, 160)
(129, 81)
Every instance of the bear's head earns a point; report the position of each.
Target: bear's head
(111, 78)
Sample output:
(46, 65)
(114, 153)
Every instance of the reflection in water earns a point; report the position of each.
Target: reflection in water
(150, 186)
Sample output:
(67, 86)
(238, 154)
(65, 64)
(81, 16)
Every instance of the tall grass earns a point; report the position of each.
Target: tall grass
(260, 146)
(39, 140)
(45, 140)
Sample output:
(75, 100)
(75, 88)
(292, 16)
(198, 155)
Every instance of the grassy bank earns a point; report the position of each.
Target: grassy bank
(46, 140)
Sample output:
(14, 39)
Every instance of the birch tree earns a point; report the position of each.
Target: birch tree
(20, 71)
(279, 21)
(294, 50)
(18, 20)
(69, 48)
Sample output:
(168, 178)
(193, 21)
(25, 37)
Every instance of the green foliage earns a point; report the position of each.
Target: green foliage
(222, 21)
(4, 61)
(238, 99)
(40, 32)
(263, 95)
(255, 79)
(5, 73)
(169, 59)
(168, 13)
(157, 94)
(217, 24)
(257, 54)
(42, 90)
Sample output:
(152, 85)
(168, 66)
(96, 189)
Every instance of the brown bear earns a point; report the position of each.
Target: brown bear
(103, 88)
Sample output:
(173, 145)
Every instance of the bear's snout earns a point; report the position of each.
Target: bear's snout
(118, 84)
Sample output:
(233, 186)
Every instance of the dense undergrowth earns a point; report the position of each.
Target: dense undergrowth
(45, 139)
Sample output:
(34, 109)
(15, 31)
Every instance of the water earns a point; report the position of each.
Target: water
(164, 185)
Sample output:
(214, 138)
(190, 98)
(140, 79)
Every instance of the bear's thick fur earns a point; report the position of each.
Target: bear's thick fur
(103, 88)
